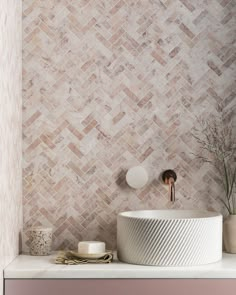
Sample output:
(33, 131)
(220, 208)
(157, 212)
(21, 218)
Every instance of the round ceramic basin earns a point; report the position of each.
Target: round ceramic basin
(169, 237)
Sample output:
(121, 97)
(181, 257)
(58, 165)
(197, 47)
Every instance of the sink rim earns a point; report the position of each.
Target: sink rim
(171, 214)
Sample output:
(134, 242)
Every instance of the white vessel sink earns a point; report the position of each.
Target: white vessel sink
(169, 237)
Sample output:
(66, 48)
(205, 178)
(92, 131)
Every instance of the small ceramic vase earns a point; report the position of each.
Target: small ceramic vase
(40, 241)
(229, 234)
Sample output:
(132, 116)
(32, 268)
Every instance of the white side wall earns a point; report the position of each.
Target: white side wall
(10, 131)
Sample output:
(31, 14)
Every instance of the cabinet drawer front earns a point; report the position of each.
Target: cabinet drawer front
(120, 287)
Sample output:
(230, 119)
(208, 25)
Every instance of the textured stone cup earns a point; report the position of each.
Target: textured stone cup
(40, 241)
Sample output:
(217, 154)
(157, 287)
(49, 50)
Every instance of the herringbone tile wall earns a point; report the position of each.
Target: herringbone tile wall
(112, 84)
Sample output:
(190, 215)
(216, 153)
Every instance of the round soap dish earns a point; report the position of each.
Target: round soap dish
(91, 256)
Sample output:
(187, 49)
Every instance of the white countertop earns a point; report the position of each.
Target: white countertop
(38, 267)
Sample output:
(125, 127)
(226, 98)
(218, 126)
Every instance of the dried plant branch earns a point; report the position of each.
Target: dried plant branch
(218, 147)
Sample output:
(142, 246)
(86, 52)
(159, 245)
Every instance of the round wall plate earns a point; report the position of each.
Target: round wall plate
(137, 177)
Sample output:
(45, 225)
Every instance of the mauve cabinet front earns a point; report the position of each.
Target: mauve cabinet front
(121, 287)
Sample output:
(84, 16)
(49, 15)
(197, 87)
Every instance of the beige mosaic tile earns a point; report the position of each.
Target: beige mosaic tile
(112, 84)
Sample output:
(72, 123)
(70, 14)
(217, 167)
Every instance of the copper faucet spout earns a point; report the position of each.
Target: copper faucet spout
(172, 191)
(169, 177)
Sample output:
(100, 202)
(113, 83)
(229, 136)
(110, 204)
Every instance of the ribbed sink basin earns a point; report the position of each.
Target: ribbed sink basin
(169, 237)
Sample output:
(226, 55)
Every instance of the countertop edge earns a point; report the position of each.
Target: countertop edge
(30, 267)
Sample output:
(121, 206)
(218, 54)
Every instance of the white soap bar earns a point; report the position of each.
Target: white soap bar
(91, 247)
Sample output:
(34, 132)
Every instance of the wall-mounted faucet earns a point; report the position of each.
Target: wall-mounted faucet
(169, 177)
